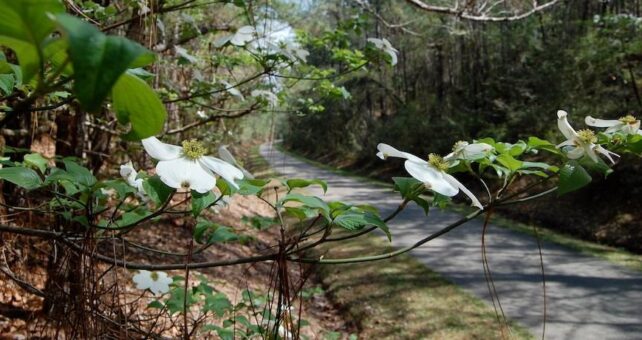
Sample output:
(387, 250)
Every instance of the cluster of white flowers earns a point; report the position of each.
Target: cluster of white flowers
(583, 142)
(433, 172)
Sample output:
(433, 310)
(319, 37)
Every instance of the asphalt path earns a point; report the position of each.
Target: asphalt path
(587, 297)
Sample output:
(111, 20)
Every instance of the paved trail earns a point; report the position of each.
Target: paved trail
(588, 298)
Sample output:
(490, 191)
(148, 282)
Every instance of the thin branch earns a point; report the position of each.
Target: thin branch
(480, 17)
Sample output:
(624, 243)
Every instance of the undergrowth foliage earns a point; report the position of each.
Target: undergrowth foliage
(97, 88)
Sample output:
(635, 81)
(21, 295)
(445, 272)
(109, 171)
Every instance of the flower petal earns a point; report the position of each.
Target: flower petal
(566, 143)
(161, 151)
(161, 284)
(566, 128)
(229, 172)
(182, 172)
(432, 178)
(591, 153)
(142, 279)
(602, 123)
(386, 151)
(606, 153)
(575, 153)
(475, 151)
(227, 156)
(454, 182)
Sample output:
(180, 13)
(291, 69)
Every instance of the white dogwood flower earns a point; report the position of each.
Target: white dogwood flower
(128, 172)
(188, 166)
(384, 45)
(156, 282)
(580, 143)
(467, 151)
(627, 124)
(243, 35)
(431, 173)
(227, 156)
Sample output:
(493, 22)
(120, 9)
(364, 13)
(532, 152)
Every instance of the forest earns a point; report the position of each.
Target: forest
(233, 169)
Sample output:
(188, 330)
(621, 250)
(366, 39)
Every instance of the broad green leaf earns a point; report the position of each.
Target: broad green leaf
(300, 213)
(80, 174)
(62, 177)
(213, 232)
(222, 234)
(98, 60)
(217, 303)
(308, 201)
(155, 304)
(7, 82)
(36, 160)
(136, 103)
(22, 177)
(251, 186)
(424, 204)
(201, 201)
(407, 186)
(131, 218)
(572, 177)
(508, 161)
(225, 188)
(541, 144)
(157, 190)
(260, 222)
(177, 301)
(302, 183)
(354, 220)
(24, 26)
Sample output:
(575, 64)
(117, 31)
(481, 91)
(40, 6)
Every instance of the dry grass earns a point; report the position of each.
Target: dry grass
(401, 298)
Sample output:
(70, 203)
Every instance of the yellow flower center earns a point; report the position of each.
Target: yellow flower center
(586, 136)
(437, 162)
(459, 145)
(154, 276)
(628, 119)
(193, 149)
(617, 139)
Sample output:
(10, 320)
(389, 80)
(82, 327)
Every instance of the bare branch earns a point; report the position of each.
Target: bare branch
(483, 16)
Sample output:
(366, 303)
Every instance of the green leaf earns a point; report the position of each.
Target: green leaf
(137, 104)
(177, 300)
(217, 303)
(355, 220)
(36, 160)
(157, 191)
(572, 177)
(7, 82)
(308, 201)
(407, 186)
(508, 161)
(24, 26)
(80, 174)
(302, 183)
(541, 144)
(222, 234)
(201, 201)
(424, 204)
(22, 177)
(213, 232)
(225, 188)
(98, 60)
(251, 186)
(155, 304)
